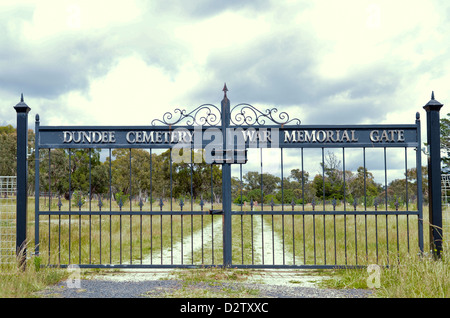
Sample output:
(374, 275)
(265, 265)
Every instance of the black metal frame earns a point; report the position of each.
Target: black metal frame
(242, 116)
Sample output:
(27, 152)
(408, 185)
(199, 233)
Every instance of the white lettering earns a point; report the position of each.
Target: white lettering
(67, 136)
(129, 135)
(291, 137)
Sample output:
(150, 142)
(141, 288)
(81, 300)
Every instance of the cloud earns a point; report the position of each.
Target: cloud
(325, 63)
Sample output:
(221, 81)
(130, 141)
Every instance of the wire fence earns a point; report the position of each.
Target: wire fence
(445, 186)
(8, 186)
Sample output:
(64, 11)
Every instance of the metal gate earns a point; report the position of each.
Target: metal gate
(198, 189)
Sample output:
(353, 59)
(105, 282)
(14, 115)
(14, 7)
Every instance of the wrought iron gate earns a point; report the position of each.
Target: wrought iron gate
(301, 228)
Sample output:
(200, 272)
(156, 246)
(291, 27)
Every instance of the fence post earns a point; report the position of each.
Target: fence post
(22, 110)
(226, 183)
(434, 174)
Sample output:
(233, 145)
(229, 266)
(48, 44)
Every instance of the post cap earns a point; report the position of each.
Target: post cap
(225, 90)
(433, 104)
(21, 107)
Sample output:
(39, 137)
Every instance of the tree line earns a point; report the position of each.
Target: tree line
(139, 173)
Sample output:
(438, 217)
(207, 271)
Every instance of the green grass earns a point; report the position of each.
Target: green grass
(407, 275)
(19, 283)
(112, 239)
(411, 277)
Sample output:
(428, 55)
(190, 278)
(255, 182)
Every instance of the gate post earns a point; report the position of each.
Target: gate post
(434, 174)
(22, 110)
(226, 183)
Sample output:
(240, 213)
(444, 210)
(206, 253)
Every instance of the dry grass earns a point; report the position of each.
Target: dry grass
(407, 275)
(17, 282)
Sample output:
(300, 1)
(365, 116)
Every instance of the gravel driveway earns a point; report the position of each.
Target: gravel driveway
(154, 284)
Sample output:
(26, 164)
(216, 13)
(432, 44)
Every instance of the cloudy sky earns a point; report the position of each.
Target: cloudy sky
(101, 62)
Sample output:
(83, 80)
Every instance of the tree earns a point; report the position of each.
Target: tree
(412, 178)
(139, 161)
(445, 141)
(363, 181)
(333, 185)
(269, 182)
(8, 146)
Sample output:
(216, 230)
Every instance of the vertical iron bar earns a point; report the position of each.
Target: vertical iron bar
(356, 242)
(323, 179)
(79, 230)
(212, 237)
(334, 229)
(131, 217)
(192, 204)
(419, 185)
(151, 207)
(324, 232)
(171, 206)
(90, 197)
(303, 208)
(262, 200)
(161, 234)
(345, 215)
(273, 242)
(365, 202)
(282, 203)
(36, 189)
(407, 197)
(59, 233)
(386, 208)
(110, 208)
(151, 181)
(227, 145)
(49, 201)
(212, 188)
(70, 200)
(251, 224)
(242, 226)
(140, 227)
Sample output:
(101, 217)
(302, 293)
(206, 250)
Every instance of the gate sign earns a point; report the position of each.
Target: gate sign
(242, 137)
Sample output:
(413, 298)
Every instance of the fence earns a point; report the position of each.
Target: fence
(162, 232)
(189, 171)
(8, 188)
(445, 204)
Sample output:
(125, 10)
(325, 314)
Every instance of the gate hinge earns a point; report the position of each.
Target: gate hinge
(215, 211)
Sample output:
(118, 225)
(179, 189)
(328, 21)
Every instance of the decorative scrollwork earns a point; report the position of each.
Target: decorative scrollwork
(241, 114)
(249, 115)
(203, 115)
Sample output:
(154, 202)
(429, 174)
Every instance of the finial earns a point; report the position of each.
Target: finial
(21, 107)
(433, 104)
(225, 90)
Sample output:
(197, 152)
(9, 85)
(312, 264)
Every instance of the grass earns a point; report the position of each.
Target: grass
(411, 277)
(18, 283)
(212, 282)
(406, 276)
(113, 239)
